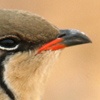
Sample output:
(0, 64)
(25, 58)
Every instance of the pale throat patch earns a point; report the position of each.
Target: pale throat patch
(25, 74)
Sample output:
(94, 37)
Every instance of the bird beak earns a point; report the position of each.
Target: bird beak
(66, 38)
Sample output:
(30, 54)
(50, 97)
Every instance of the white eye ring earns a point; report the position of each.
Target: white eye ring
(9, 42)
(9, 49)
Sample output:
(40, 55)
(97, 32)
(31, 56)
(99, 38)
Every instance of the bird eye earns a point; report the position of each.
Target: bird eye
(9, 43)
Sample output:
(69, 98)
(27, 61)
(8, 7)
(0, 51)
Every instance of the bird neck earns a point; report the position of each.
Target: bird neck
(26, 79)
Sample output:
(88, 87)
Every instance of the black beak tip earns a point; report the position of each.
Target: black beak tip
(83, 38)
(87, 40)
(73, 37)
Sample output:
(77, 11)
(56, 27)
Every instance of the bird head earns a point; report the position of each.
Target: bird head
(28, 46)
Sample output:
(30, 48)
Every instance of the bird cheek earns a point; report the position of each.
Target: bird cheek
(2, 52)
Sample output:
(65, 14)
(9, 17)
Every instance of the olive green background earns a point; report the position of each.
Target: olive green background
(76, 75)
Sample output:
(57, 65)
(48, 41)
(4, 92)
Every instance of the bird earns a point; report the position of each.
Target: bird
(29, 46)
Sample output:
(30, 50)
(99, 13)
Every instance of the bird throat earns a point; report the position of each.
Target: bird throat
(25, 75)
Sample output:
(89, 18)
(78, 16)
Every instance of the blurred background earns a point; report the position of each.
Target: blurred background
(76, 75)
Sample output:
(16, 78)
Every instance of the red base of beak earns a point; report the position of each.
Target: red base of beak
(53, 45)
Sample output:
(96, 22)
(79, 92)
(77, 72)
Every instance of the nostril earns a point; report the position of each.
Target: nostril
(61, 35)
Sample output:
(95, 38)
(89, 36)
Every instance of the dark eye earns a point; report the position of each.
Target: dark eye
(9, 43)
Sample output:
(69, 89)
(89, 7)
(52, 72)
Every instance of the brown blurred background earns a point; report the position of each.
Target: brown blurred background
(76, 75)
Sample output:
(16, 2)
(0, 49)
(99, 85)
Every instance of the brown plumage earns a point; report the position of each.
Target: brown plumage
(24, 59)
